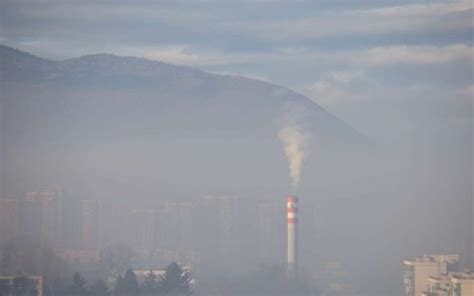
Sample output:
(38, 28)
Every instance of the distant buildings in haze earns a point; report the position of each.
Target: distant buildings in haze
(42, 217)
(9, 220)
(38, 218)
(271, 231)
(91, 224)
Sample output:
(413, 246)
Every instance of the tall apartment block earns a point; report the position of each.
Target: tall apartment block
(452, 284)
(9, 213)
(175, 226)
(42, 217)
(214, 229)
(271, 236)
(91, 224)
(417, 271)
(144, 222)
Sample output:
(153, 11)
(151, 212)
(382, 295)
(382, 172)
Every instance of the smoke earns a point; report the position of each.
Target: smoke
(294, 140)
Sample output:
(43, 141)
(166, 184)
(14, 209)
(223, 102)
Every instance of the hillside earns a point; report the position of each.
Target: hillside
(149, 126)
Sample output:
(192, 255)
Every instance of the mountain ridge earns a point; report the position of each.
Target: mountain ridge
(141, 111)
(101, 63)
(140, 61)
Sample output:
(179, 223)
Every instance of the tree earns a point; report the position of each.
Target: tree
(79, 285)
(118, 285)
(31, 258)
(55, 286)
(128, 285)
(150, 285)
(23, 286)
(175, 281)
(99, 289)
(9, 257)
(115, 260)
(4, 288)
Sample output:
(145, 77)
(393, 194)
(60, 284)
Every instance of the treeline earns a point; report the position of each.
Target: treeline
(265, 280)
(112, 276)
(21, 257)
(174, 282)
(19, 285)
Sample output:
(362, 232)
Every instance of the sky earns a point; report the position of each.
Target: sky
(406, 63)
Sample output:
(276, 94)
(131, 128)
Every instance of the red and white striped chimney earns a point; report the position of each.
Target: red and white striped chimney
(292, 202)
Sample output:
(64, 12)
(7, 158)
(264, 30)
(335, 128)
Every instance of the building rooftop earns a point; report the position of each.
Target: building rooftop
(450, 258)
(463, 276)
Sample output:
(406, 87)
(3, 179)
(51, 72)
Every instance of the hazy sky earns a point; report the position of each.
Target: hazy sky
(406, 63)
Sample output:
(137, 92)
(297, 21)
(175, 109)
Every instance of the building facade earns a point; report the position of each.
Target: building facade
(91, 224)
(462, 284)
(452, 284)
(42, 217)
(175, 226)
(9, 212)
(271, 234)
(417, 271)
(144, 224)
(214, 230)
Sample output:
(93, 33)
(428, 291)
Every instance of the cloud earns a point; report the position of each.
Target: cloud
(388, 55)
(327, 91)
(335, 87)
(370, 72)
(467, 91)
(187, 55)
(373, 57)
(225, 26)
(416, 54)
(180, 55)
(427, 18)
(243, 74)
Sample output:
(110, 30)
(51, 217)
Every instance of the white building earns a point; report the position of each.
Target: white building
(417, 271)
(452, 284)
(463, 284)
(159, 273)
(438, 286)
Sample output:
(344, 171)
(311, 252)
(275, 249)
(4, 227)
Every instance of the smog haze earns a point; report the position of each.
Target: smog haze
(174, 131)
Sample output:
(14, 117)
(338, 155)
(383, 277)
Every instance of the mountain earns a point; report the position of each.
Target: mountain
(132, 131)
(135, 125)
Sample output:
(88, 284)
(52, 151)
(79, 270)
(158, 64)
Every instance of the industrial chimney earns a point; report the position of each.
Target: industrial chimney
(292, 202)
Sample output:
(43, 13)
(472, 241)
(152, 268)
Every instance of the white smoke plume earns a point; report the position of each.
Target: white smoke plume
(295, 141)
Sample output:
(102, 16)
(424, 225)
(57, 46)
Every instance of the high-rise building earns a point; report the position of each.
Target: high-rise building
(71, 223)
(144, 228)
(417, 271)
(8, 220)
(270, 236)
(173, 233)
(42, 217)
(175, 226)
(91, 224)
(438, 286)
(214, 234)
(462, 284)
(452, 284)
